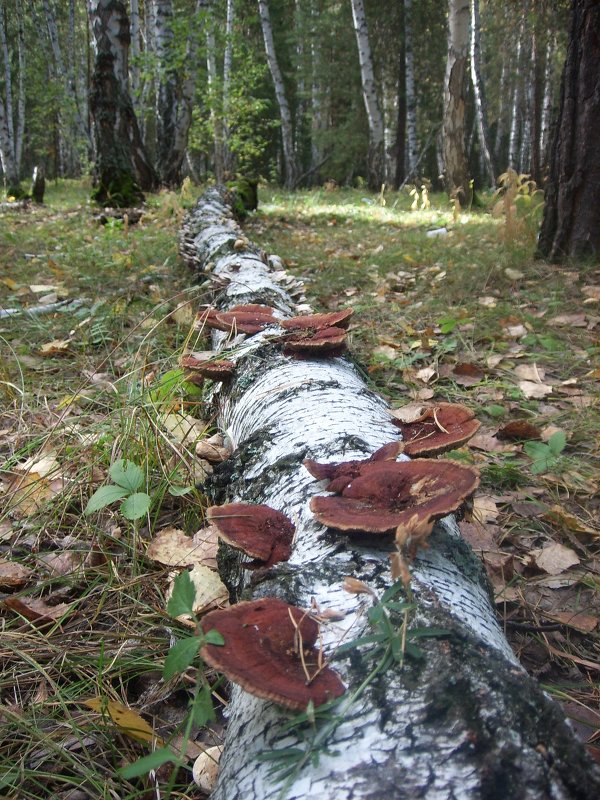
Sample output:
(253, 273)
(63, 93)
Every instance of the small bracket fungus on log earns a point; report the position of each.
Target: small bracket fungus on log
(387, 494)
(439, 428)
(270, 652)
(342, 473)
(257, 530)
(465, 721)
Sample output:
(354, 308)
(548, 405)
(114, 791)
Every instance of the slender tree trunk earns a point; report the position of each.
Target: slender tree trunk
(483, 131)
(122, 163)
(465, 721)
(516, 103)
(228, 158)
(401, 102)
(8, 145)
(499, 138)
(316, 91)
(285, 115)
(571, 225)
(134, 67)
(547, 102)
(213, 92)
(411, 97)
(456, 169)
(20, 132)
(536, 108)
(376, 156)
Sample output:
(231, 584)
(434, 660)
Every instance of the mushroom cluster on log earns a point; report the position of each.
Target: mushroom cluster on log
(464, 722)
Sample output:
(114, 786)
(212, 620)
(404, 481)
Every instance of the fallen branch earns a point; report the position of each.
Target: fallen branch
(62, 305)
(465, 721)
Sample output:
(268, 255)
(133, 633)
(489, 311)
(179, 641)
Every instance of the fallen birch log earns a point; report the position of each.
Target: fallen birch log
(463, 721)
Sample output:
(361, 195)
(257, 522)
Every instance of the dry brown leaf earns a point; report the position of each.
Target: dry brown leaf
(592, 292)
(65, 562)
(425, 374)
(57, 347)
(385, 350)
(479, 536)
(213, 449)
(408, 413)
(423, 394)
(571, 320)
(534, 390)
(173, 548)
(37, 610)
(207, 544)
(530, 372)
(558, 516)
(466, 374)
(206, 768)
(489, 444)
(554, 558)
(487, 301)
(13, 574)
(184, 314)
(484, 508)
(516, 331)
(28, 492)
(514, 274)
(126, 719)
(581, 622)
(518, 430)
(211, 592)
(183, 428)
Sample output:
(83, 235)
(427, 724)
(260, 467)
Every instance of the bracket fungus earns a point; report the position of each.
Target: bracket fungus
(439, 428)
(248, 319)
(258, 530)
(341, 473)
(389, 494)
(316, 334)
(215, 369)
(270, 651)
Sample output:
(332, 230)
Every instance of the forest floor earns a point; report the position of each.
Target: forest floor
(449, 305)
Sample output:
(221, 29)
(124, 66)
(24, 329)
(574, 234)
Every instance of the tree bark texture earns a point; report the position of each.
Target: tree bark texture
(483, 131)
(411, 97)
(571, 224)
(466, 722)
(287, 132)
(11, 128)
(376, 155)
(123, 165)
(456, 169)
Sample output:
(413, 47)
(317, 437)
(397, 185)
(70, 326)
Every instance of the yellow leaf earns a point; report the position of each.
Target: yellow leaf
(68, 400)
(58, 347)
(127, 721)
(9, 283)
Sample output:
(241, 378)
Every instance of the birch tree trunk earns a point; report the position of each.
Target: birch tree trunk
(135, 75)
(456, 169)
(228, 160)
(285, 115)
(547, 102)
(483, 131)
(516, 102)
(216, 116)
(11, 129)
(376, 155)
(411, 97)
(465, 722)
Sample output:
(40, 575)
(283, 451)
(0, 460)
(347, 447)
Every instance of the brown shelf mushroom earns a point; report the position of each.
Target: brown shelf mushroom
(215, 369)
(325, 341)
(248, 319)
(440, 428)
(341, 473)
(317, 322)
(388, 494)
(269, 651)
(258, 530)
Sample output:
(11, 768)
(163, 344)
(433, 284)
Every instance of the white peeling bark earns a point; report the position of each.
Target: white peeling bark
(467, 722)
(411, 97)
(456, 169)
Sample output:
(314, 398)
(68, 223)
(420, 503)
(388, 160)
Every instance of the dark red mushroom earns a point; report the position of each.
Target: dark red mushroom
(441, 427)
(389, 494)
(269, 651)
(247, 319)
(259, 531)
(215, 369)
(341, 473)
(316, 322)
(325, 341)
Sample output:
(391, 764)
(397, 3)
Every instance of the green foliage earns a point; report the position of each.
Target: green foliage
(127, 477)
(546, 457)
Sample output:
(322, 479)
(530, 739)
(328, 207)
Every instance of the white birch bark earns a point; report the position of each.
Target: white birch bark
(135, 48)
(316, 93)
(20, 132)
(285, 114)
(483, 133)
(411, 97)
(455, 161)
(462, 724)
(376, 159)
(548, 101)
(227, 72)
(8, 148)
(516, 102)
(213, 89)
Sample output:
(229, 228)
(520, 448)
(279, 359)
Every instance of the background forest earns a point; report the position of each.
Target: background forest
(280, 89)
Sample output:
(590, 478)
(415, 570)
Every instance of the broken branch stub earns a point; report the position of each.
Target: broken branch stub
(465, 721)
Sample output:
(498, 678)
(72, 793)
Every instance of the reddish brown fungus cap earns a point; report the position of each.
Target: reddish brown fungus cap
(342, 473)
(269, 651)
(325, 341)
(316, 322)
(247, 319)
(441, 427)
(216, 370)
(387, 494)
(259, 531)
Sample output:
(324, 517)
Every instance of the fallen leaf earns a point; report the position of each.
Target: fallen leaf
(513, 274)
(554, 558)
(516, 331)
(40, 288)
(13, 574)
(183, 428)
(213, 449)
(184, 314)
(37, 610)
(479, 536)
(9, 283)
(385, 351)
(592, 293)
(530, 372)
(489, 444)
(425, 374)
(466, 374)
(571, 320)
(534, 390)
(211, 592)
(206, 768)
(558, 516)
(408, 413)
(207, 546)
(173, 548)
(484, 508)
(519, 430)
(57, 347)
(423, 394)
(487, 301)
(581, 622)
(127, 721)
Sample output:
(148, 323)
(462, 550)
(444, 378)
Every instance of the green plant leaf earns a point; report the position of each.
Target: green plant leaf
(181, 656)
(126, 474)
(179, 491)
(541, 456)
(136, 505)
(557, 442)
(104, 496)
(202, 708)
(214, 637)
(183, 597)
(145, 764)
